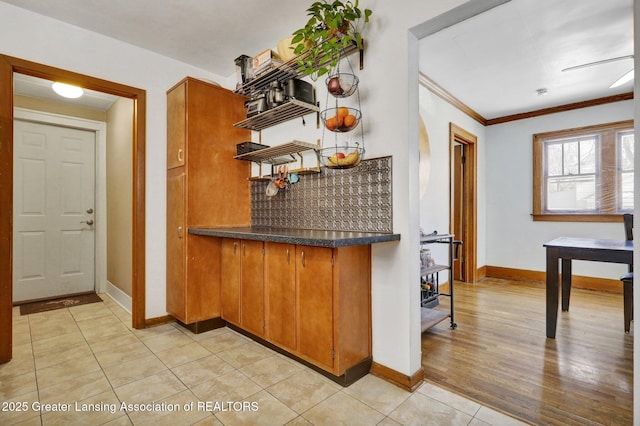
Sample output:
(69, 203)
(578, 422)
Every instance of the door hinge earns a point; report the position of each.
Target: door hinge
(333, 261)
(464, 159)
(333, 354)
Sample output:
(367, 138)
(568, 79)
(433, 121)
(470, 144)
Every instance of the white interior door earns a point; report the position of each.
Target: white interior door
(54, 196)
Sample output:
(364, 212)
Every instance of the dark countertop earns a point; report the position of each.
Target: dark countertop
(307, 237)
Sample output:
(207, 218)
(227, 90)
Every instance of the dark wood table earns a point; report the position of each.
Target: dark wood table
(568, 249)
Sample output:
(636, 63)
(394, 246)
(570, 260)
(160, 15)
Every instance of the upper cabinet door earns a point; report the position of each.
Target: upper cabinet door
(176, 126)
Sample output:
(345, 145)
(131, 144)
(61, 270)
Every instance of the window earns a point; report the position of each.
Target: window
(584, 174)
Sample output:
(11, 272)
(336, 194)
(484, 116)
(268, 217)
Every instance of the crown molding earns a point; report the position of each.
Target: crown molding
(437, 90)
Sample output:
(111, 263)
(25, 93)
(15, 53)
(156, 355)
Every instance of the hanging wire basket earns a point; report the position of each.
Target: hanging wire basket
(342, 157)
(342, 85)
(341, 119)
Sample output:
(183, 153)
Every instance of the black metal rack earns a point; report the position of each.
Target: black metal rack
(285, 112)
(287, 71)
(430, 283)
(293, 108)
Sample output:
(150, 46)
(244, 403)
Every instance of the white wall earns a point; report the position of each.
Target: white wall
(39, 39)
(434, 205)
(120, 194)
(389, 98)
(514, 240)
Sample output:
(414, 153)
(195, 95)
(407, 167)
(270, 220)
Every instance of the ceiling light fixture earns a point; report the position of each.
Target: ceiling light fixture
(67, 90)
(622, 80)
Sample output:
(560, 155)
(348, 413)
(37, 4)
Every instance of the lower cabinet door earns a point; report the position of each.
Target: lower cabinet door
(314, 321)
(252, 286)
(230, 280)
(176, 248)
(280, 294)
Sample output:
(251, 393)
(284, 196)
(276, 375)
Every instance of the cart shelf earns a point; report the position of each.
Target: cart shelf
(430, 283)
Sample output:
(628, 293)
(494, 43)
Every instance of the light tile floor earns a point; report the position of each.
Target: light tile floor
(86, 365)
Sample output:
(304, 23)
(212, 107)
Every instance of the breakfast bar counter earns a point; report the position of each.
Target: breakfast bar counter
(308, 237)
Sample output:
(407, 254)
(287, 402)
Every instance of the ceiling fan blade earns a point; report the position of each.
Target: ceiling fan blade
(628, 76)
(604, 61)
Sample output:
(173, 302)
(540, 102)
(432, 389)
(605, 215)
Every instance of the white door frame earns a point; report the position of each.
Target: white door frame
(100, 129)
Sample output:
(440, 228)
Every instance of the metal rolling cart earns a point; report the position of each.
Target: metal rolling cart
(430, 280)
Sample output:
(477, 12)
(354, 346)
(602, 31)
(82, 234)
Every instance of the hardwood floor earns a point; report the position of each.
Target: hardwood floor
(500, 357)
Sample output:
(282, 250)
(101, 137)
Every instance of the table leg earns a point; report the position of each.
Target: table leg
(566, 284)
(552, 291)
(627, 292)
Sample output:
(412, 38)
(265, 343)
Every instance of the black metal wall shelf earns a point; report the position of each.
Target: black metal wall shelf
(284, 72)
(282, 154)
(285, 112)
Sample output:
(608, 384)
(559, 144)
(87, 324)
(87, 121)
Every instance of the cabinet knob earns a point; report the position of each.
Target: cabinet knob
(303, 261)
(180, 156)
(179, 231)
(235, 247)
(288, 257)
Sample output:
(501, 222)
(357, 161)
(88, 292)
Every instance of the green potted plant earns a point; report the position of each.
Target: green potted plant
(332, 26)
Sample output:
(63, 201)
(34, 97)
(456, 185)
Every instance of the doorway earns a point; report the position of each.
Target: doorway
(463, 200)
(9, 66)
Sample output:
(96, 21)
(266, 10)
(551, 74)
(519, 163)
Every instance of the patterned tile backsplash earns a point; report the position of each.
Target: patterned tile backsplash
(357, 199)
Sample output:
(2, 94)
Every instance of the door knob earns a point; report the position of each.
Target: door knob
(88, 222)
(89, 210)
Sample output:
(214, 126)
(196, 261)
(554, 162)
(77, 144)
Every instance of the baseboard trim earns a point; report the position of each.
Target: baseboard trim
(154, 322)
(408, 383)
(119, 296)
(126, 302)
(577, 281)
(482, 272)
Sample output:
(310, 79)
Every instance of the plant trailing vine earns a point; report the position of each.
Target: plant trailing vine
(332, 26)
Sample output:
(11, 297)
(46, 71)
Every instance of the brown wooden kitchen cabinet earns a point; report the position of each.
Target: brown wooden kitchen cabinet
(206, 187)
(334, 308)
(242, 284)
(230, 280)
(280, 294)
(318, 305)
(315, 319)
(252, 287)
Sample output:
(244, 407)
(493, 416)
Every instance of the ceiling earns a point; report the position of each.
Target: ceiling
(493, 62)
(496, 61)
(208, 34)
